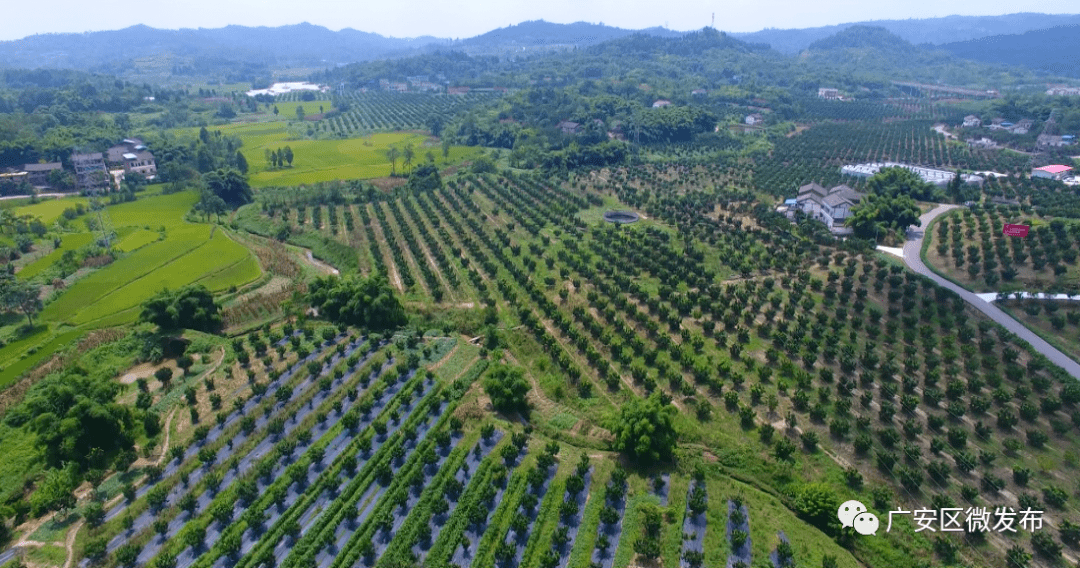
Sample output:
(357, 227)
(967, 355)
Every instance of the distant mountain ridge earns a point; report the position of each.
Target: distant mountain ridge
(935, 31)
(298, 45)
(1055, 51)
(252, 54)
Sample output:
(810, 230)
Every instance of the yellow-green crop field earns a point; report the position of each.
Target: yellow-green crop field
(70, 241)
(189, 253)
(135, 239)
(287, 110)
(49, 210)
(327, 160)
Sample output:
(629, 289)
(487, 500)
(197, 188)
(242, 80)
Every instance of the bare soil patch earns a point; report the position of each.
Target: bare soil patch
(388, 183)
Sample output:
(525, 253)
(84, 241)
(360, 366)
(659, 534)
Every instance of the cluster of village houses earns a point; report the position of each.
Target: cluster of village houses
(833, 206)
(1019, 127)
(89, 170)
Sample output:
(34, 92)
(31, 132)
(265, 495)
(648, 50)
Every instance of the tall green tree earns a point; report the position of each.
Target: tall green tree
(19, 296)
(876, 216)
(288, 155)
(425, 177)
(191, 307)
(407, 156)
(392, 155)
(61, 179)
(56, 491)
(76, 419)
(364, 302)
(817, 503)
(508, 389)
(230, 185)
(210, 204)
(897, 181)
(645, 430)
(241, 163)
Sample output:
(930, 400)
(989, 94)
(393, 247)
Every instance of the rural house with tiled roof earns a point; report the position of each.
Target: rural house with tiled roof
(830, 206)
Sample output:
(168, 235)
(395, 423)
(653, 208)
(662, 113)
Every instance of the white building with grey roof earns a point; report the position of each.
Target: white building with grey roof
(830, 206)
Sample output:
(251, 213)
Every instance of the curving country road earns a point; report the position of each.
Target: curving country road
(912, 258)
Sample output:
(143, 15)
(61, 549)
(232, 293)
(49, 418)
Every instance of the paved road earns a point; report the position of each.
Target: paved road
(913, 260)
(40, 195)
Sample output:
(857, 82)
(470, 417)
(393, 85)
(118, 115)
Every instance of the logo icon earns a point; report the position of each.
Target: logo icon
(1015, 230)
(848, 511)
(854, 514)
(866, 524)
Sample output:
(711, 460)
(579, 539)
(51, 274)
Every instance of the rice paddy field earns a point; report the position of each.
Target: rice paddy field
(48, 210)
(326, 160)
(156, 249)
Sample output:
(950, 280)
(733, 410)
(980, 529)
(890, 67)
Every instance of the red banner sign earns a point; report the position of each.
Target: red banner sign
(1016, 230)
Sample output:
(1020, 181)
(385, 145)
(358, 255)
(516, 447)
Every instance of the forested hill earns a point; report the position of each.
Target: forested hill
(858, 37)
(693, 44)
(931, 30)
(538, 35)
(1055, 51)
(117, 51)
(649, 66)
(705, 58)
(862, 54)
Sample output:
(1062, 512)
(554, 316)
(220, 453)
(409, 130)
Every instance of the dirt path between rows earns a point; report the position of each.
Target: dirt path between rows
(69, 543)
(587, 369)
(465, 369)
(160, 459)
(536, 394)
(438, 272)
(165, 443)
(413, 222)
(447, 357)
(388, 259)
(406, 253)
(320, 264)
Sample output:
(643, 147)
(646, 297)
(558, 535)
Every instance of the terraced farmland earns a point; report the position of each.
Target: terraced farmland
(157, 249)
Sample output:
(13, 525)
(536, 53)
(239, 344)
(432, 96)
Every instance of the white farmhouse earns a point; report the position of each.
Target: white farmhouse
(830, 206)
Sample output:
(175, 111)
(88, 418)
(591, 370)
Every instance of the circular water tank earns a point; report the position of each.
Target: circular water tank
(621, 217)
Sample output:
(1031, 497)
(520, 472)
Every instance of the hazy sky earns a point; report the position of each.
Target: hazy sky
(466, 18)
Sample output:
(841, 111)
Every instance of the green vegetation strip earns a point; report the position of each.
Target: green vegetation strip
(286, 523)
(361, 538)
(276, 493)
(400, 549)
(163, 486)
(230, 538)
